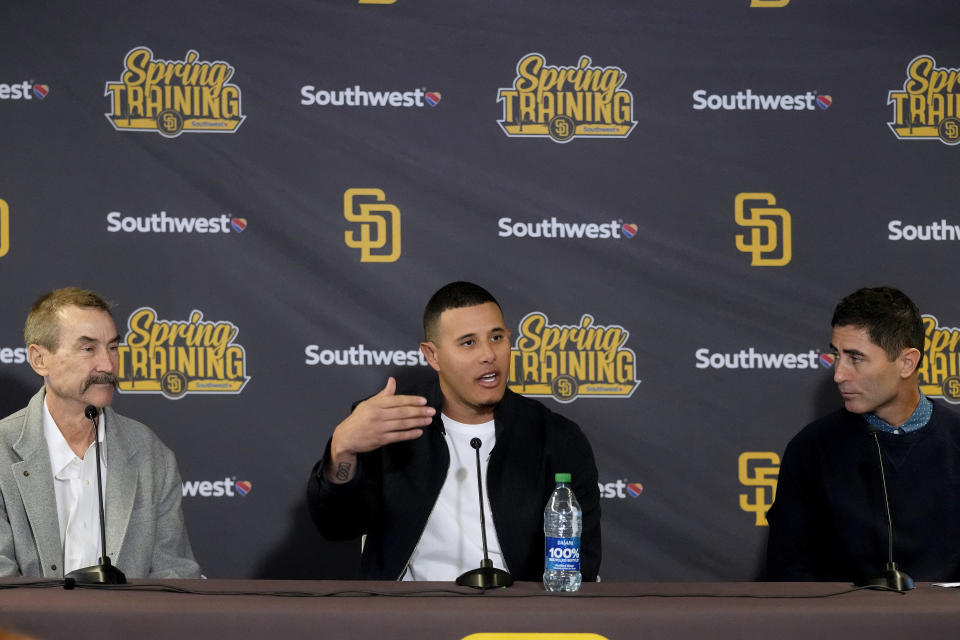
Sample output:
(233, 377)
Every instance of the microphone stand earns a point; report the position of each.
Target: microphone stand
(103, 573)
(892, 577)
(487, 576)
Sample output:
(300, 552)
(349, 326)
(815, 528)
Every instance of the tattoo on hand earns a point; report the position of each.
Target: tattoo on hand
(343, 470)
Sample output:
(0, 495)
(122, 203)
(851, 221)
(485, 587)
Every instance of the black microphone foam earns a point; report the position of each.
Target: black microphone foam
(476, 444)
(91, 412)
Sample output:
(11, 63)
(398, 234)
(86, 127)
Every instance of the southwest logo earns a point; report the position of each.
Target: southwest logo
(827, 360)
(620, 489)
(238, 224)
(554, 228)
(356, 96)
(25, 90)
(228, 487)
(824, 102)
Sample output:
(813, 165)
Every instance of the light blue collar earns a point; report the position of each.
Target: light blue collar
(917, 420)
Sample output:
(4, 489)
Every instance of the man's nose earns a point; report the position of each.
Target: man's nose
(107, 360)
(839, 372)
(488, 354)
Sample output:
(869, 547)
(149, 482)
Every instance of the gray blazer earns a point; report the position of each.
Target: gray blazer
(146, 535)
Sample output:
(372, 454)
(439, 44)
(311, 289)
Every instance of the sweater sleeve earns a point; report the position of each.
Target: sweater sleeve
(792, 519)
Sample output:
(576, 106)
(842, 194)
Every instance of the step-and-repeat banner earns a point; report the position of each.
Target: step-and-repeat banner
(668, 199)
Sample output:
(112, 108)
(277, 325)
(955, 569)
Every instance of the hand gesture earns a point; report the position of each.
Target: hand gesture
(382, 419)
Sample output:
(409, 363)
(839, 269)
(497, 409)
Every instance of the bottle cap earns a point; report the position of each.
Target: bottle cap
(562, 477)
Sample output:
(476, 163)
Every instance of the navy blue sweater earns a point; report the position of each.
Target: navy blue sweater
(828, 521)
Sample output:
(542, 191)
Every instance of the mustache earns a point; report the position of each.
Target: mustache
(101, 378)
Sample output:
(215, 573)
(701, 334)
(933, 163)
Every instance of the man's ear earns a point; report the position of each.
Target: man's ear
(39, 359)
(909, 359)
(429, 351)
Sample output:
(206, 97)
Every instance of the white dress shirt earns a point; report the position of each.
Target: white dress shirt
(75, 486)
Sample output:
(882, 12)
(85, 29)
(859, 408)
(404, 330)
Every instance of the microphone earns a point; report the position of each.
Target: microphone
(892, 577)
(487, 576)
(103, 573)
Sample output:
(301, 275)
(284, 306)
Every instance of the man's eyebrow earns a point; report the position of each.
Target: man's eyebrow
(852, 352)
(467, 335)
(88, 339)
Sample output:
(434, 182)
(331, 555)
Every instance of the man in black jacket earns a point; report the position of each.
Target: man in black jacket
(829, 521)
(401, 471)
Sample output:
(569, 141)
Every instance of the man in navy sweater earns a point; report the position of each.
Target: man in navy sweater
(828, 521)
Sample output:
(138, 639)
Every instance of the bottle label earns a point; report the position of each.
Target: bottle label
(562, 554)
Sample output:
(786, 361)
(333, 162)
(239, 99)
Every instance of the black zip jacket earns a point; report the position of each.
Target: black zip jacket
(395, 487)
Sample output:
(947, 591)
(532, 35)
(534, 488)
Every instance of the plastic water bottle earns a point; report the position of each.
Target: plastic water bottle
(562, 524)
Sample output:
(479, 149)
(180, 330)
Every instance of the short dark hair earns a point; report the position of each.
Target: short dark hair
(891, 319)
(453, 296)
(43, 322)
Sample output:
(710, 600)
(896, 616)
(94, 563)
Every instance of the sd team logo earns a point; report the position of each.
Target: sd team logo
(928, 107)
(568, 362)
(4, 228)
(174, 96)
(176, 357)
(758, 470)
(769, 230)
(563, 103)
(378, 237)
(940, 369)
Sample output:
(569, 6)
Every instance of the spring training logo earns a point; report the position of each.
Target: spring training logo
(568, 362)
(563, 103)
(940, 369)
(172, 97)
(928, 107)
(176, 357)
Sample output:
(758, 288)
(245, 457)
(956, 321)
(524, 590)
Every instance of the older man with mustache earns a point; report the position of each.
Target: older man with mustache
(49, 522)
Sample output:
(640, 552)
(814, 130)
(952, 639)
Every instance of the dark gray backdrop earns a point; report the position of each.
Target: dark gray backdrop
(668, 450)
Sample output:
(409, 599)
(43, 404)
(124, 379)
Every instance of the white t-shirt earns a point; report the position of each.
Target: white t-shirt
(451, 542)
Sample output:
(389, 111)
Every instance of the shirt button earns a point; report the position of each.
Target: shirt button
(54, 567)
(26, 473)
